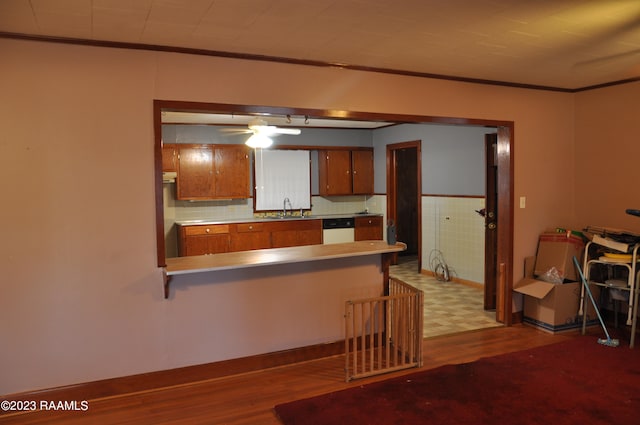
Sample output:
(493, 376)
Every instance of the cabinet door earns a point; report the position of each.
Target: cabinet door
(310, 232)
(195, 172)
(309, 237)
(296, 233)
(232, 171)
(194, 245)
(334, 171)
(170, 157)
(368, 228)
(362, 171)
(203, 239)
(206, 244)
(284, 238)
(250, 236)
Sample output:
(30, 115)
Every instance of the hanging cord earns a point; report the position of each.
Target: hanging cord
(438, 266)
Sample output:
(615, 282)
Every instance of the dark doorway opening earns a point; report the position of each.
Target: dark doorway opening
(406, 200)
(491, 220)
(403, 191)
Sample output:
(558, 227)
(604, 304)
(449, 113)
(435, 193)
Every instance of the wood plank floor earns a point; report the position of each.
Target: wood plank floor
(248, 399)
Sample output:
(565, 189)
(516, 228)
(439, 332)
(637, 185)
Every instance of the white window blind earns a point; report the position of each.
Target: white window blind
(282, 174)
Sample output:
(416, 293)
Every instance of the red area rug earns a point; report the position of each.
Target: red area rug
(572, 382)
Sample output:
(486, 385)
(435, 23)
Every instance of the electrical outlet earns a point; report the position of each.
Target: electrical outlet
(523, 201)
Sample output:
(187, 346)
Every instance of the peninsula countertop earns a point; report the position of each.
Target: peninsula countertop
(264, 257)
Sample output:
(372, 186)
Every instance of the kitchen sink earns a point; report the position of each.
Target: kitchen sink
(286, 217)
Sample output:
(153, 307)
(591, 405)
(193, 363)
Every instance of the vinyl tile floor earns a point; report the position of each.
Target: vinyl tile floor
(449, 307)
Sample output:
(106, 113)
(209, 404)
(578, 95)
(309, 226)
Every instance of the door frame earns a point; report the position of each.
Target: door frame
(490, 239)
(391, 185)
(504, 254)
(505, 167)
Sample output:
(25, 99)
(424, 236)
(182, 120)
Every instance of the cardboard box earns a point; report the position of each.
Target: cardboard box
(557, 250)
(553, 307)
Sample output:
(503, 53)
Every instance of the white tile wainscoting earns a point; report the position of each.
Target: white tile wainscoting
(452, 226)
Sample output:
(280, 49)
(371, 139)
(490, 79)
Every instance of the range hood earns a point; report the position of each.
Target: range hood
(169, 176)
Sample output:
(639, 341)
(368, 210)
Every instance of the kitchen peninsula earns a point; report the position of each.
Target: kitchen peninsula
(265, 301)
(278, 256)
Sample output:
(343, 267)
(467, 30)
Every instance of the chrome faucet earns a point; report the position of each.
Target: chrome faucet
(284, 206)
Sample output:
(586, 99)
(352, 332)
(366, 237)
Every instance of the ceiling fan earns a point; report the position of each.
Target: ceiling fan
(628, 55)
(621, 33)
(261, 132)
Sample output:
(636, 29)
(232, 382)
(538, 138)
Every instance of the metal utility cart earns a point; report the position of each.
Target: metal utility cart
(614, 263)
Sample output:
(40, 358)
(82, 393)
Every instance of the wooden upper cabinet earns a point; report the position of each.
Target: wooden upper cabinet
(169, 157)
(362, 172)
(196, 179)
(213, 172)
(232, 171)
(345, 172)
(334, 172)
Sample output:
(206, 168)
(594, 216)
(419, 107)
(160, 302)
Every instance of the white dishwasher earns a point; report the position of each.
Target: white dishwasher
(338, 230)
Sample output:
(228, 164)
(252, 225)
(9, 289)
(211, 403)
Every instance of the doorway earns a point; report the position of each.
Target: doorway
(404, 208)
(404, 193)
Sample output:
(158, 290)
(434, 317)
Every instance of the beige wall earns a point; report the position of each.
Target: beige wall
(82, 297)
(608, 156)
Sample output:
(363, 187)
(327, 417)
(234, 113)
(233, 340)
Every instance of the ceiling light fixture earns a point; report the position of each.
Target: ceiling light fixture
(258, 140)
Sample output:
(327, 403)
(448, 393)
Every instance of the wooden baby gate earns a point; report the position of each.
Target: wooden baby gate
(384, 334)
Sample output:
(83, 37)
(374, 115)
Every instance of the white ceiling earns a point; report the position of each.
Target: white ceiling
(565, 44)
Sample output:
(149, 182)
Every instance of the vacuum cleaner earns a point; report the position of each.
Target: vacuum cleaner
(609, 342)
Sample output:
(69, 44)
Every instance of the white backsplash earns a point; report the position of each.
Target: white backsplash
(240, 209)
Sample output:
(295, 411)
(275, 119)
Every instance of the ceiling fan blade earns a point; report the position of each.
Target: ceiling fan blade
(236, 130)
(260, 126)
(603, 59)
(293, 131)
(270, 130)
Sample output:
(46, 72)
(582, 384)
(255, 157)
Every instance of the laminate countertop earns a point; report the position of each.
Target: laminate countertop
(271, 219)
(264, 257)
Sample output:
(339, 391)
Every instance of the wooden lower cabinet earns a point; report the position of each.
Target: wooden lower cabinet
(368, 228)
(219, 238)
(203, 239)
(250, 236)
(296, 233)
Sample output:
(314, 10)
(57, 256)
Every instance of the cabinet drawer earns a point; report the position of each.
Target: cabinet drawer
(368, 228)
(249, 227)
(206, 230)
(368, 221)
